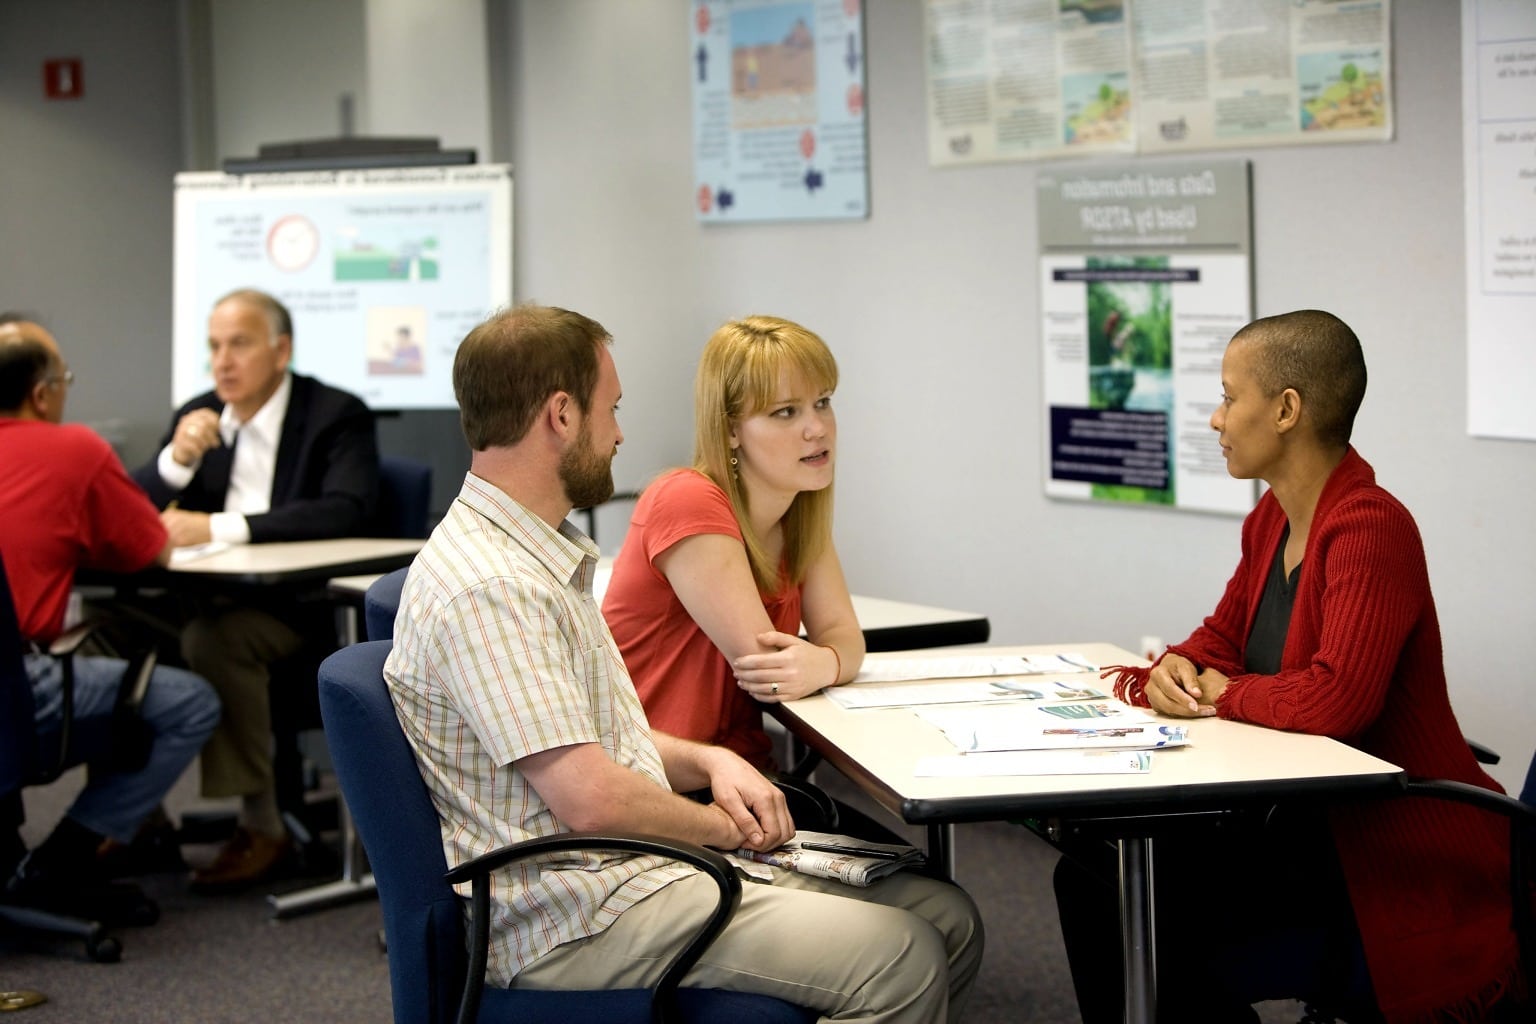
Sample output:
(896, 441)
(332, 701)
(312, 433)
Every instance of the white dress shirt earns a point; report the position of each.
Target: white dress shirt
(250, 474)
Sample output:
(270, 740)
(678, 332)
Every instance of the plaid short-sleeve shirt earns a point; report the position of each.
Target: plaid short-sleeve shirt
(501, 652)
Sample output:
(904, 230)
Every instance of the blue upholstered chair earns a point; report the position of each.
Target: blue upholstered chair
(380, 604)
(424, 917)
(405, 494)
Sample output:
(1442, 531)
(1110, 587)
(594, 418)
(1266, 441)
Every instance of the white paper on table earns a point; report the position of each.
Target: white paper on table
(889, 670)
(992, 764)
(193, 552)
(958, 691)
(1100, 725)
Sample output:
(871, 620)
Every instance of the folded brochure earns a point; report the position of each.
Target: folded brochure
(1085, 726)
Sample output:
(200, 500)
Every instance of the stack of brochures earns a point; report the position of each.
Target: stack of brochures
(825, 855)
(1087, 725)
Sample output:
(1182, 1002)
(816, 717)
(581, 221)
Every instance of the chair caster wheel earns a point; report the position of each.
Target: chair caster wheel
(104, 949)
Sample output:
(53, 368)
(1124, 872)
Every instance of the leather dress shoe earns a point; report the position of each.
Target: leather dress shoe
(155, 848)
(248, 857)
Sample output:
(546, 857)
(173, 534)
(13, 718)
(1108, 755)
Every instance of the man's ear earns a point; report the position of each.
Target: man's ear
(560, 410)
(39, 399)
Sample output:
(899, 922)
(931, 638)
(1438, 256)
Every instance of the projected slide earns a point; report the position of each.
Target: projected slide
(385, 271)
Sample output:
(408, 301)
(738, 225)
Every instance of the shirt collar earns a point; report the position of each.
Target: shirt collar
(268, 420)
(568, 554)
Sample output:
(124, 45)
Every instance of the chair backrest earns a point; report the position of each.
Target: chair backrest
(376, 768)
(381, 603)
(405, 493)
(17, 739)
(423, 917)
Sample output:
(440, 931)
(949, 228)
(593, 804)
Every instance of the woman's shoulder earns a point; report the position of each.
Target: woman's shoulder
(684, 488)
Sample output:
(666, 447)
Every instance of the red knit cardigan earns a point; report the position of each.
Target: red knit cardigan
(1428, 880)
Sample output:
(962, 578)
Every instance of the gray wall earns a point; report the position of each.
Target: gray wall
(930, 305)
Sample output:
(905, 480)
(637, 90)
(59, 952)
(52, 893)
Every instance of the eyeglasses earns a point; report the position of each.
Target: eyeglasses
(67, 377)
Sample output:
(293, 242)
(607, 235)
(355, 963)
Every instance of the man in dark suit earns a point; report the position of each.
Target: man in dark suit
(268, 455)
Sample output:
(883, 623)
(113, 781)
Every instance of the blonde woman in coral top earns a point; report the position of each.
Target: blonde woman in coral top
(725, 560)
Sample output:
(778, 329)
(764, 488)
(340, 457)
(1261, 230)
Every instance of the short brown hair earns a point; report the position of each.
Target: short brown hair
(508, 366)
(1318, 355)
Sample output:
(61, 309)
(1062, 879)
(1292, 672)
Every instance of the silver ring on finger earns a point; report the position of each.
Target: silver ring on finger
(774, 688)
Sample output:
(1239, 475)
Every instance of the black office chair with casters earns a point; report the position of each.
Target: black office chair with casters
(28, 758)
(1522, 882)
(431, 977)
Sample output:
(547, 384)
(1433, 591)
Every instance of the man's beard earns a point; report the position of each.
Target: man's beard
(586, 474)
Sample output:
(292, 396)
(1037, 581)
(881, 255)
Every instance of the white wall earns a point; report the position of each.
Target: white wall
(931, 307)
(281, 69)
(85, 200)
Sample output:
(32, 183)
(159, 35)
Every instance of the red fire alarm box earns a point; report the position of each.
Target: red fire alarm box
(62, 79)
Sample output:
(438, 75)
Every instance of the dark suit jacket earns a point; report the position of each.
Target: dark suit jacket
(325, 483)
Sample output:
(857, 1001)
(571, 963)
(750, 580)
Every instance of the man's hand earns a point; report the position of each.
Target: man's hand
(753, 803)
(1175, 688)
(186, 528)
(196, 433)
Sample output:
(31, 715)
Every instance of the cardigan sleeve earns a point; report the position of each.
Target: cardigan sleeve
(1366, 593)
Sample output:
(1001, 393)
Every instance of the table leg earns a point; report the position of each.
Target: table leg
(1137, 923)
(941, 851)
(355, 883)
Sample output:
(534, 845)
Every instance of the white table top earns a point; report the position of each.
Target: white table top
(874, 613)
(289, 561)
(879, 748)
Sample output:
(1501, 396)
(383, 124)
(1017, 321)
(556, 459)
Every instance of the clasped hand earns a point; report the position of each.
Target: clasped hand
(1176, 687)
(794, 669)
(753, 803)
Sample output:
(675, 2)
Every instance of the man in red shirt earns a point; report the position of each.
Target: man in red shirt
(67, 502)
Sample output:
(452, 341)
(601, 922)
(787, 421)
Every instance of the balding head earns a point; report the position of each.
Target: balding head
(32, 370)
(1316, 354)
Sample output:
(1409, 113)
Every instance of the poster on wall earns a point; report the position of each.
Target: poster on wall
(1146, 273)
(778, 110)
(1009, 81)
(1033, 79)
(1499, 130)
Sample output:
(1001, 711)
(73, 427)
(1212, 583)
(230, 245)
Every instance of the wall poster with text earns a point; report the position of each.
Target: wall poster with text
(778, 110)
(1146, 273)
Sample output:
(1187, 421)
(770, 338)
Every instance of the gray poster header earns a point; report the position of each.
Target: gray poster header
(1194, 204)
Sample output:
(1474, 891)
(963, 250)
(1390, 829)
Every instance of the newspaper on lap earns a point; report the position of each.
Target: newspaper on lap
(853, 861)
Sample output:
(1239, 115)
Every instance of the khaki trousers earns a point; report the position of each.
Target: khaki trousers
(232, 647)
(904, 950)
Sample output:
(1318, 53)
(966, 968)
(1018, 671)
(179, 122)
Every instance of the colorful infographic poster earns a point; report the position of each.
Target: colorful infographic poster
(384, 270)
(1012, 80)
(1146, 274)
(778, 110)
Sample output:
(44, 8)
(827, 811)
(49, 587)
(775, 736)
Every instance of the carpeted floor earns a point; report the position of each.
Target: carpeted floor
(222, 959)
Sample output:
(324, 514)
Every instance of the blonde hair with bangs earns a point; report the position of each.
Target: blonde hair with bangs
(738, 377)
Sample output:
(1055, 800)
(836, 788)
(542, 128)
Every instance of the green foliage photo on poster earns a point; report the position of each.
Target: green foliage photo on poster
(1130, 352)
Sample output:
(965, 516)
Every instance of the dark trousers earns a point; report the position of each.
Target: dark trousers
(1245, 914)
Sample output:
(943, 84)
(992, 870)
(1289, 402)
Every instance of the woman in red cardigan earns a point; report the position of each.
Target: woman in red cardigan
(1394, 910)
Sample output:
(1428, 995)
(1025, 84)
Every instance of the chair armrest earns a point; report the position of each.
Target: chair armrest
(1522, 832)
(1484, 755)
(664, 997)
(809, 804)
(69, 641)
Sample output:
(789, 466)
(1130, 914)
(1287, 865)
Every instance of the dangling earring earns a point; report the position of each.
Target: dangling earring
(734, 471)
